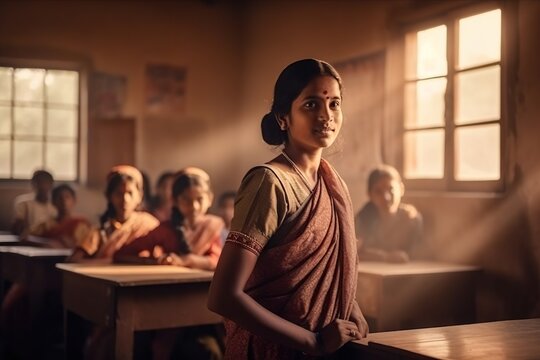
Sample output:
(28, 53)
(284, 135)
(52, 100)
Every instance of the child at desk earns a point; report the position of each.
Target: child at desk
(121, 222)
(34, 208)
(161, 203)
(387, 229)
(190, 238)
(66, 230)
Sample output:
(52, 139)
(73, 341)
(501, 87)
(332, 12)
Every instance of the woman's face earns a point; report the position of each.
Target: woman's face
(386, 194)
(315, 118)
(194, 202)
(125, 199)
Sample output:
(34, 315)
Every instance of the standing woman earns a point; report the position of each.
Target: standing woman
(286, 279)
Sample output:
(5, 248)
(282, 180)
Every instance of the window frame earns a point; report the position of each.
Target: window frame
(450, 17)
(82, 131)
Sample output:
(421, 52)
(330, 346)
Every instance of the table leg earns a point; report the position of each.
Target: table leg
(76, 332)
(123, 348)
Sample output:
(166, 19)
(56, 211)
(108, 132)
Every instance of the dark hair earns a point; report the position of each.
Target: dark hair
(163, 177)
(225, 196)
(58, 190)
(380, 172)
(147, 188)
(182, 183)
(290, 83)
(42, 175)
(113, 182)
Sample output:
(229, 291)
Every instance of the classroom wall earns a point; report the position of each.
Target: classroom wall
(120, 38)
(233, 58)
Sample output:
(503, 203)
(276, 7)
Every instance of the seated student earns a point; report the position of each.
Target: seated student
(387, 229)
(66, 230)
(226, 211)
(121, 222)
(34, 208)
(162, 203)
(190, 238)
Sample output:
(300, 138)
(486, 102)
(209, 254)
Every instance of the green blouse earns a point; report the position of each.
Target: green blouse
(267, 196)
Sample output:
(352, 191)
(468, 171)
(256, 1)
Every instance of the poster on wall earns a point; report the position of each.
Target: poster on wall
(107, 95)
(165, 90)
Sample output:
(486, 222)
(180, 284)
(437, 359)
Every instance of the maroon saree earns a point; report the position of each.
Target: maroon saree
(307, 271)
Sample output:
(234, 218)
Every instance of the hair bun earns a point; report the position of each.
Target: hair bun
(271, 132)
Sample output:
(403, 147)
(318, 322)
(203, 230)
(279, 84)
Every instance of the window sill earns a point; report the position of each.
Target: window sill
(454, 194)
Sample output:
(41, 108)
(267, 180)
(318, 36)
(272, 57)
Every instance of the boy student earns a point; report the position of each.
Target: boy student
(34, 208)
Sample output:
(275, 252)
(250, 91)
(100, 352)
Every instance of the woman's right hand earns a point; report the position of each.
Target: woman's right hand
(336, 334)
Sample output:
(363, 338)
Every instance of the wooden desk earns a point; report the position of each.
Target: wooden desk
(9, 240)
(30, 265)
(416, 294)
(30, 240)
(131, 298)
(33, 267)
(513, 339)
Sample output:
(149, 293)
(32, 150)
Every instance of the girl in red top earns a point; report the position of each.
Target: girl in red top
(191, 237)
(66, 230)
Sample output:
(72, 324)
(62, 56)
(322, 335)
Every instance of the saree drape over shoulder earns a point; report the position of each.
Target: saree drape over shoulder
(306, 272)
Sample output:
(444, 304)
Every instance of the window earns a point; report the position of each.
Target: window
(39, 122)
(452, 103)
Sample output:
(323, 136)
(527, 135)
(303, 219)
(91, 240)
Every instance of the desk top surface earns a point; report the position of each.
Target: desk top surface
(35, 252)
(8, 239)
(512, 339)
(138, 275)
(410, 268)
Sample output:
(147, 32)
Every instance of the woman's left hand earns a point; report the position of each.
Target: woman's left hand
(358, 318)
